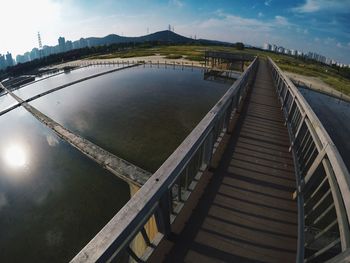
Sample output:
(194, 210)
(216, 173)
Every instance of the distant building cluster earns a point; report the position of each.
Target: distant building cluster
(6, 60)
(309, 55)
(37, 53)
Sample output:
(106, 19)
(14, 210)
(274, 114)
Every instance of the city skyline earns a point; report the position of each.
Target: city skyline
(312, 25)
(67, 45)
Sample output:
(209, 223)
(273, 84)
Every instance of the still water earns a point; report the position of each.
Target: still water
(139, 114)
(6, 101)
(53, 199)
(49, 83)
(335, 117)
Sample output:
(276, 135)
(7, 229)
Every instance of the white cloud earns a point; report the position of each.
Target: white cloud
(329, 41)
(177, 3)
(234, 22)
(281, 20)
(333, 42)
(310, 6)
(234, 28)
(260, 14)
(267, 2)
(302, 31)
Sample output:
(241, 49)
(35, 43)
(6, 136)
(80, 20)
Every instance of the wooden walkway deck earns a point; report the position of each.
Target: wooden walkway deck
(246, 212)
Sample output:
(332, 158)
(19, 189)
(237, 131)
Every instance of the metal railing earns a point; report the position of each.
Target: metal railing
(123, 63)
(323, 181)
(164, 194)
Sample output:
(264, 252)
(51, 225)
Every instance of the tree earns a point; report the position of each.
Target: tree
(239, 45)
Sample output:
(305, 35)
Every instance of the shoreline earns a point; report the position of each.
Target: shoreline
(147, 59)
(317, 85)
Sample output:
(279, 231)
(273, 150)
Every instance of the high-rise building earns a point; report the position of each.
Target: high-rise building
(267, 46)
(47, 50)
(62, 44)
(2, 62)
(287, 51)
(280, 49)
(83, 43)
(34, 54)
(27, 56)
(20, 59)
(69, 45)
(76, 44)
(9, 59)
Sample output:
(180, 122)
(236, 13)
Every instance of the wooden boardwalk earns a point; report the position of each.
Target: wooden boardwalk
(246, 212)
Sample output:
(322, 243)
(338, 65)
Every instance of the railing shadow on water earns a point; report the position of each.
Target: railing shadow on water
(323, 181)
(160, 199)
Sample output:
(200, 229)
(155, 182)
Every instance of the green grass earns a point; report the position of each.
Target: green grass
(190, 52)
(312, 69)
(286, 63)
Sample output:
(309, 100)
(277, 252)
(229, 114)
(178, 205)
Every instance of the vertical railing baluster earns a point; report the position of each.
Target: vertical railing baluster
(162, 215)
(145, 236)
(133, 255)
(179, 194)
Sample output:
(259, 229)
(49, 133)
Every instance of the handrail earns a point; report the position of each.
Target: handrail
(156, 197)
(320, 170)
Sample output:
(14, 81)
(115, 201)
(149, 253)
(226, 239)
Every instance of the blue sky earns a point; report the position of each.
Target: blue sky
(307, 25)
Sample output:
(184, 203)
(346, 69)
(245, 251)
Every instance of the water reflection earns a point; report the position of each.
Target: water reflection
(15, 155)
(58, 80)
(140, 114)
(52, 140)
(3, 201)
(53, 199)
(6, 101)
(335, 117)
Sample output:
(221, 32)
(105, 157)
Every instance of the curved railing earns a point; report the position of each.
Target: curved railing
(164, 194)
(323, 181)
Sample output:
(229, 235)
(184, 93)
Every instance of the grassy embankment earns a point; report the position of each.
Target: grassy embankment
(327, 74)
(287, 63)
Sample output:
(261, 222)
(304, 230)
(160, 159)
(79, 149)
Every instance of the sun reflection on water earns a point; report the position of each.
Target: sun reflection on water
(15, 156)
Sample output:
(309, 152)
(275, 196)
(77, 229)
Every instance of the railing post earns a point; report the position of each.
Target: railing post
(162, 215)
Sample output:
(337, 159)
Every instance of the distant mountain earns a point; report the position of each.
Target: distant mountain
(212, 42)
(165, 36)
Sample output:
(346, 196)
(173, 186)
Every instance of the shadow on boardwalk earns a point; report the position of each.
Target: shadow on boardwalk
(246, 213)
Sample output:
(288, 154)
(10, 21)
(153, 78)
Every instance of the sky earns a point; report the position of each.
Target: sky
(320, 26)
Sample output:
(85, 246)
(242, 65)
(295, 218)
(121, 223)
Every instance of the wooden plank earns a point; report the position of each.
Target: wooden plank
(250, 215)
